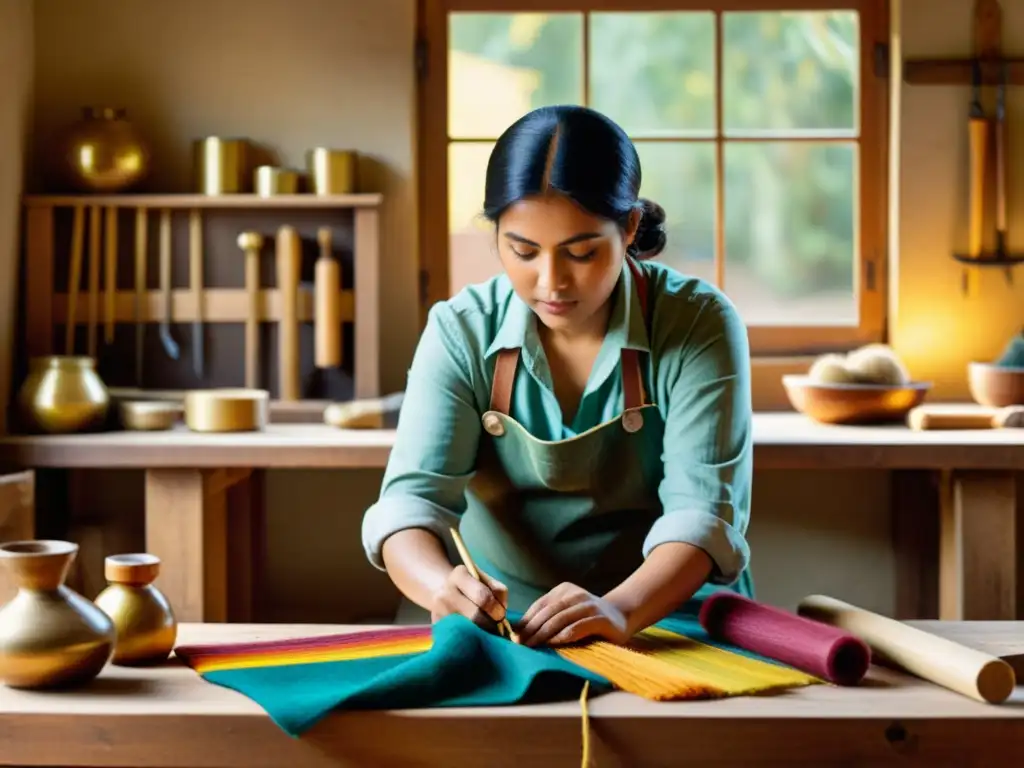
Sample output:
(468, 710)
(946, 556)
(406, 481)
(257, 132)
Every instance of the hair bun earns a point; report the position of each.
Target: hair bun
(650, 234)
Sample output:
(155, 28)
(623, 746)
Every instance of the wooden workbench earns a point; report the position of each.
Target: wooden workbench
(168, 717)
(197, 489)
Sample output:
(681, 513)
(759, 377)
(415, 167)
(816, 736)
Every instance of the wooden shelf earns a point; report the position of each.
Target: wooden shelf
(368, 200)
(220, 305)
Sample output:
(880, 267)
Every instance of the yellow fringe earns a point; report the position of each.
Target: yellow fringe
(665, 666)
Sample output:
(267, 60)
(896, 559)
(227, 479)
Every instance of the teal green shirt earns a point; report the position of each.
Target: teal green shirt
(697, 372)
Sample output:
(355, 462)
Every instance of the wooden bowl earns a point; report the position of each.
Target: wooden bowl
(853, 403)
(994, 385)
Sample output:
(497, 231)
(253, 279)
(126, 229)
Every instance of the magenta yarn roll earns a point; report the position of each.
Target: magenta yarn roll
(811, 646)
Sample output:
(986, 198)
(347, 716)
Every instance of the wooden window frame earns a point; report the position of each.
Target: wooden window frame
(765, 341)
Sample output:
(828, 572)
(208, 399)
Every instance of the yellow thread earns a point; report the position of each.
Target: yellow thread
(586, 723)
(662, 665)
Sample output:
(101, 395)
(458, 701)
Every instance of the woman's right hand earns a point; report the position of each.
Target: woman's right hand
(482, 602)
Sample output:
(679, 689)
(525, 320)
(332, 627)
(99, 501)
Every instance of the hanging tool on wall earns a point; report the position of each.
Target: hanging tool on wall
(74, 279)
(195, 267)
(289, 264)
(170, 345)
(141, 305)
(978, 133)
(1002, 253)
(987, 143)
(251, 243)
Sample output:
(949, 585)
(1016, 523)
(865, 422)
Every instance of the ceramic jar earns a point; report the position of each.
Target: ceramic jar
(63, 394)
(50, 636)
(146, 627)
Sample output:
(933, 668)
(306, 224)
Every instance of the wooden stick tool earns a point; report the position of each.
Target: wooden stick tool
(289, 265)
(504, 627)
(251, 243)
(141, 243)
(195, 270)
(74, 278)
(327, 312)
(961, 669)
(170, 345)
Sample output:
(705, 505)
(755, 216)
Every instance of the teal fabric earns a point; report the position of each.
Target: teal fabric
(465, 667)
(696, 467)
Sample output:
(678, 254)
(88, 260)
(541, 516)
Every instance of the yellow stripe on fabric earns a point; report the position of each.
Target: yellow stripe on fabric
(662, 666)
(310, 656)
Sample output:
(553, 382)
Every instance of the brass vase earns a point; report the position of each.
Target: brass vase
(50, 636)
(146, 627)
(63, 394)
(103, 152)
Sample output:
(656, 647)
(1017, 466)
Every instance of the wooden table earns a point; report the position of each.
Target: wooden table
(198, 487)
(169, 717)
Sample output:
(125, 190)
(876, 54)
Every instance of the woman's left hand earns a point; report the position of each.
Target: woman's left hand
(569, 613)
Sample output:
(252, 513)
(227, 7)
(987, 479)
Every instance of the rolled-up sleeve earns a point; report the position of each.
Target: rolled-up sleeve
(436, 443)
(708, 445)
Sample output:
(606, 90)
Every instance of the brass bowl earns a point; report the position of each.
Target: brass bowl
(853, 403)
(994, 385)
(149, 416)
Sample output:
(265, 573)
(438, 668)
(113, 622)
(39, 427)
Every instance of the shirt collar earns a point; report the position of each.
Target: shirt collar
(626, 327)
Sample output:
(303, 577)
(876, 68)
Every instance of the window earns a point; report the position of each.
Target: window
(760, 132)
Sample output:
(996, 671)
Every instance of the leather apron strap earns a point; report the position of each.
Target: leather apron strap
(634, 394)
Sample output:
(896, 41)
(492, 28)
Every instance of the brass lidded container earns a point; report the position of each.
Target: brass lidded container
(221, 166)
(146, 627)
(331, 171)
(63, 394)
(50, 636)
(270, 180)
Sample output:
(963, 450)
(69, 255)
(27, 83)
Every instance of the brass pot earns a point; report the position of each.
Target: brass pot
(104, 152)
(63, 394)
(50, 636)
(146, 627)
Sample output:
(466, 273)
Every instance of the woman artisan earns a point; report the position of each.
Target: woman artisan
(583, 419)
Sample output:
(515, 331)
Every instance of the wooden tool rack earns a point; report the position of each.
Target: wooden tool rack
(108, 306)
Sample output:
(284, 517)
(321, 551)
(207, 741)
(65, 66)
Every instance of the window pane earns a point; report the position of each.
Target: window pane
(790, 210)
(472, 258)
(654, 73)
(680, 177)
(790, 71)
(502, 65)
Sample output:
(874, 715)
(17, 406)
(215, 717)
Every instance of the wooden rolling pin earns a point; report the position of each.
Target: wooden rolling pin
(327, 313)
(954, 416)
(961, 669)
(371, 413)
(289, 263)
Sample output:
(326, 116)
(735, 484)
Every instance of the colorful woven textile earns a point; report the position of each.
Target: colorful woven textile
(455, 663)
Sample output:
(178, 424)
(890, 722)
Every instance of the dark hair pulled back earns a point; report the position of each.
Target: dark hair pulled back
(582, 154)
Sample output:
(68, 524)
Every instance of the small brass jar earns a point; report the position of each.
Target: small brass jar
(63, 394)
(146, 627)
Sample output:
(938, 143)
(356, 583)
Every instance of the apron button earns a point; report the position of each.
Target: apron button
(493, 424)
(632, 421)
